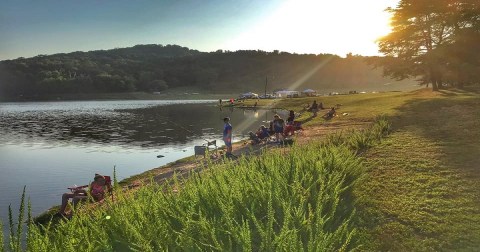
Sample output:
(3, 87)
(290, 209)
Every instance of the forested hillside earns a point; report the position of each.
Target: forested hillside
(153, 68)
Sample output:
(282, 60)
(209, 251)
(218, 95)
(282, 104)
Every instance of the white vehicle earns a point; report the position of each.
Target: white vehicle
(249, 95)
(267, 96)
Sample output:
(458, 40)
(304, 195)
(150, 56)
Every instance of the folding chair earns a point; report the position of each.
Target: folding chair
(202, 149)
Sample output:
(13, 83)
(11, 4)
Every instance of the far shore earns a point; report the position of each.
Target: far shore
(174, 95)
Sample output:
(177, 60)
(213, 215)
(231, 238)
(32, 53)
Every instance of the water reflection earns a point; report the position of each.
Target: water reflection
(146, 127)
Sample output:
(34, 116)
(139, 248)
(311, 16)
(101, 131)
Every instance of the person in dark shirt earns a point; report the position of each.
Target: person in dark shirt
(264, 132)
(291, 117)
(314, 108)
(320, 106)
(330, 114)
(289, 130)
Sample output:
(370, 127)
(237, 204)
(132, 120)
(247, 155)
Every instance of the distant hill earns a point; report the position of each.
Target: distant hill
(153, 68)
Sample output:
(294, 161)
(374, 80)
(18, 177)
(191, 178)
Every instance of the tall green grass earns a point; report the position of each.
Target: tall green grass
(361, 140)
(297, 200)
(2, 242)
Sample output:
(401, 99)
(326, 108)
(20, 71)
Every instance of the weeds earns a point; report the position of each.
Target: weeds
(2, 242)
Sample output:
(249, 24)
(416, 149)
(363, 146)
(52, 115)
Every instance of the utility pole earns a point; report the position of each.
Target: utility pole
(266, 81)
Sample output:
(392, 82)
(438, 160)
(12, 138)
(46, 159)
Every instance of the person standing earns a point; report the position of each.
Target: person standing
(227, 135)
(314, 108)
(278, 125)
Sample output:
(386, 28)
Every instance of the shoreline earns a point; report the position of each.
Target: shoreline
(173, 95)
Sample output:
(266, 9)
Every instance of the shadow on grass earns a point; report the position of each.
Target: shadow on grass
(423, 186)
(451, 121)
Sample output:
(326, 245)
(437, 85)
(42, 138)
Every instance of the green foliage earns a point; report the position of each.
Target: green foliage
(2, 242)
(361, 140)
(297, 200)
(15, 238)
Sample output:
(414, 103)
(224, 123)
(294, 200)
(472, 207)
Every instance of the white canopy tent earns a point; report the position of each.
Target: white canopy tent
(287, 93)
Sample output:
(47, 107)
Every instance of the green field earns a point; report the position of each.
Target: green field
(405, 180)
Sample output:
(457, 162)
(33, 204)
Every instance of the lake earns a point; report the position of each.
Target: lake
(49, 146)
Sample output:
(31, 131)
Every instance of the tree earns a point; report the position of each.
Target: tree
(437, 40)
(418, 29)
(462, 57)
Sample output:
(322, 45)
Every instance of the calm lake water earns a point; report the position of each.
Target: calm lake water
(49, 146)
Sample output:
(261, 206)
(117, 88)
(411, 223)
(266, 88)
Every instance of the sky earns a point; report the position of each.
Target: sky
(30, 28)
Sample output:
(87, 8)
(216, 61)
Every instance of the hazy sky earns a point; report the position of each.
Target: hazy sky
(29, 28)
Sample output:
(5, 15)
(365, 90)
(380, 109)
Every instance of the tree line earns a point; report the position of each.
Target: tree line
(153, 68)
(437, 41)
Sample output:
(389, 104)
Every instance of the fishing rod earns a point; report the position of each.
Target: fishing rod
(180, 126)
(209, 142)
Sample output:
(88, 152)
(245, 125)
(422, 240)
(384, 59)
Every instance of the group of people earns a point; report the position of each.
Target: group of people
(278, 127)
(314, 108)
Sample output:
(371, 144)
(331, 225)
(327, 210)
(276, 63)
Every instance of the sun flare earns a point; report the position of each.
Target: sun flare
(304, 26)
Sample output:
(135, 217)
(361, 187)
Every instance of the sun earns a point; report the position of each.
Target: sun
(317, 26)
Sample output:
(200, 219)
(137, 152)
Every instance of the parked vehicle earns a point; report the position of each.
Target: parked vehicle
(267, 96)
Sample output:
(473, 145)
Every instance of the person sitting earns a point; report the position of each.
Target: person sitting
(260, 135)
(254, 138)
(320, 105)
(297, 125)
(291, 117)
(97, 190)
(289, 129)
(271, 131)
(263, 132)
(330, 114)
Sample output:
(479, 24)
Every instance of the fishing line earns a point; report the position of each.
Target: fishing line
(181, 127)
(209, 142)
